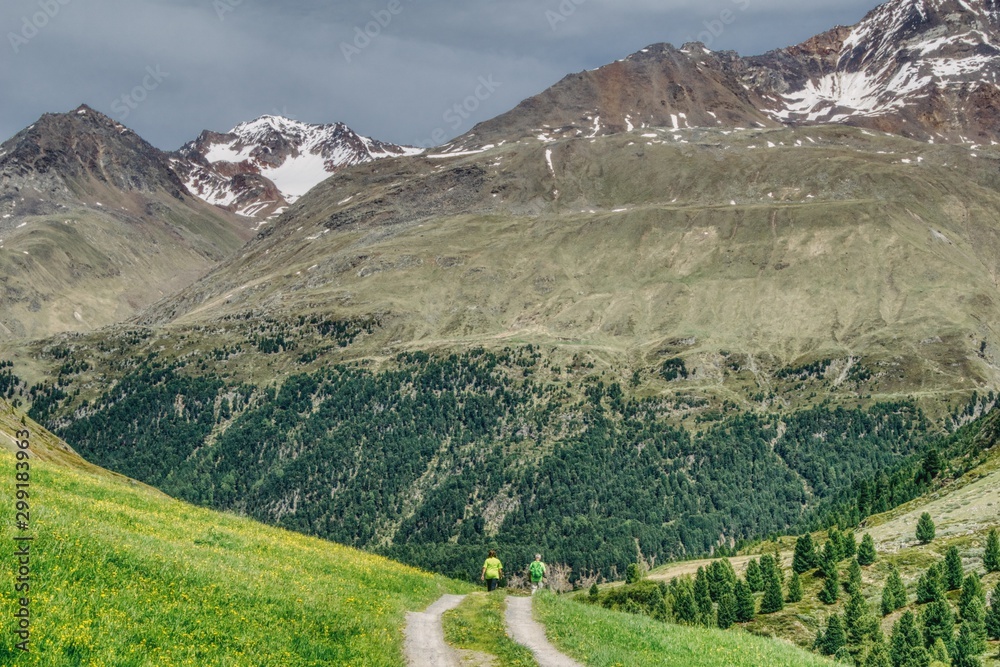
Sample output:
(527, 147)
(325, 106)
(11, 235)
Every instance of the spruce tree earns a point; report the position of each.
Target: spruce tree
(939, 623)
(971, 640)
(906, 646)
(726, 615)
(754, 577)
(831, 587)
(866, 552)
(939, 654)
(721, 578)
(773, 600)
(594, 592)
(991, 557)
(894, 593)
(929, 586)
(854, 577)
(795, 588)
(805, 554)
(833, 541)
(685, 609)
(925, 528)
(746, 606)
(848, 547)
(972, 588)
(833, 639)
(857, 623)
(993, 614)
(703, 598)
(878, 656)
(953, 572)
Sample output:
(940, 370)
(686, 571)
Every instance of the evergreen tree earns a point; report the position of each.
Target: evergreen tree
(894, 593)
(831, 587)
(746, 607)
(703, 598)
(727, 610)
(830, 556)
(929, 586)
(594, 591)
(773, 600)
(938, 653)
(939, 623)
(754, 577)
(906, 646)
(833, 541)
(795, 588)
(971, 640)
(991, 557)
(972, 588)
(721, 578)
(866, 552)
(848, 547)
(925, 528)
(632, 573)
(993, 614)
(805, 554)
(854, 577)
(833, 639)
(878, 656)
(685, 609)
(953, 572)
(857, 622)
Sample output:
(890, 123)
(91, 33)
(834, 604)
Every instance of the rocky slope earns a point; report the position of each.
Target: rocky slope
(258, 168)
(95, 226)
(925, 69)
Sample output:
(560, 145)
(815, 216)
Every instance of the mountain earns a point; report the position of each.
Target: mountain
(95, 226)
(924, 69)
(258, 168)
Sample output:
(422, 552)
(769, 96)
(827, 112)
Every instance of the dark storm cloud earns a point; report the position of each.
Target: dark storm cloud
(170, 68)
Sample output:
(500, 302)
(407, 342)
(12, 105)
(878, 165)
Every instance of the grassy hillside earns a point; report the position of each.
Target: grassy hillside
(122, 575)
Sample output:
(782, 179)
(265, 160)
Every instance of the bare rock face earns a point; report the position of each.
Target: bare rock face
(924, 69)
(258, 168)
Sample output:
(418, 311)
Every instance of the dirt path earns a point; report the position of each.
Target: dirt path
(525, 630)
(425, 645)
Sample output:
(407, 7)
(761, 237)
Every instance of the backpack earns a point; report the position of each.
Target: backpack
(537, 569)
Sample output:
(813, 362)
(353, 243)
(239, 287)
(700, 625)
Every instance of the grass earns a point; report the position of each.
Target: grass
(604, 638)
(123, 576)
(478, 625)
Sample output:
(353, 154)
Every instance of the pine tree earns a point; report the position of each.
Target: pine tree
(906, 646)
(866, 552)
(805, 554)
(953, 572)
(833, 541)
(773, 600)
(754, 577)
(878, 656)
(795, 588)
(746, 607)
(993, 614)
(848, 547)
(972, 588)
(853, 577)
(831, 587)
(727, 610)
(833, 639)
(703, 598)
(857, 623)
(925, 528)
(894, 593)
(939, 623)
(721, 578)
(971, 640)
(929, 586)
(991, 557)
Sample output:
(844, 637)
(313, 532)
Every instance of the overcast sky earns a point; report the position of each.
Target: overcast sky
(171, 68)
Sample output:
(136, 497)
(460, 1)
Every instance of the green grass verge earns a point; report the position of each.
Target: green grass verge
(478, 625)
(122, 576)
(602, 638)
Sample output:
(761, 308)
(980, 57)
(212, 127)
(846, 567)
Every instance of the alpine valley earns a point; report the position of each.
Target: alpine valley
(665, 308)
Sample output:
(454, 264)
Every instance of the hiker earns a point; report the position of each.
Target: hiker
(492, 571)
(537, 571)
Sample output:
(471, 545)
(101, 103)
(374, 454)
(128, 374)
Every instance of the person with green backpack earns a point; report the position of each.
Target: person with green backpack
(537, 572)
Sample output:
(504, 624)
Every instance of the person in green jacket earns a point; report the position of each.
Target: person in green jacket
(492, 571)
(537, 572)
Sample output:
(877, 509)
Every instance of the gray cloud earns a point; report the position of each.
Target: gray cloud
(219, 62)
